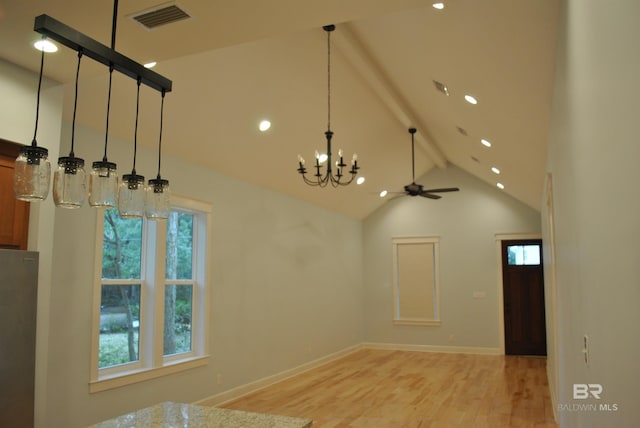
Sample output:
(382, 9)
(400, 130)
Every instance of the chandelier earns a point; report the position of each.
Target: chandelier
(322, 177)
(32, 173)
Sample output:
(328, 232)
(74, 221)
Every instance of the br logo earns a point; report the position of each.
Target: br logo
(582, 391)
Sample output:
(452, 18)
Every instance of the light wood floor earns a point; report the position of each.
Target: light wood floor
(380, 388)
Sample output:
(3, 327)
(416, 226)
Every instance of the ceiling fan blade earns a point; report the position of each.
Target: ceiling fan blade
(426, 194)
(446, 189)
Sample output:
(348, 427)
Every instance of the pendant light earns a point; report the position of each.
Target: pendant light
(336, 179)
(131, 191)
(69, 180)
(32, 173)
(158, 198)
(103, 180)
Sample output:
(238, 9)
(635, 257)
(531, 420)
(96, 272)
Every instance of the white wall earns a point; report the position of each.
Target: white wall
(286, 276)
(17, 119)
(593, 158)
(467, 222)
(286, 289)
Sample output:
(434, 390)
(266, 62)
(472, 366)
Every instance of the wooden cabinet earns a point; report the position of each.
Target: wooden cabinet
(14, 214)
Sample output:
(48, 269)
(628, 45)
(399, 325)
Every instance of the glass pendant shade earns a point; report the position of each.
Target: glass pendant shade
(69, 183)
(158, 199)
(103, 184)
(32, 174)
(131, 196)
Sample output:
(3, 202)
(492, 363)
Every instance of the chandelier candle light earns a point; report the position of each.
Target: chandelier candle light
(329, 177)
(32, 173)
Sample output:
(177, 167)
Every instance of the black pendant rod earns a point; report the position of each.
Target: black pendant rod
(77, 41)
(35, 131)
(413, 159)
(114, 24)
(75, 106)
(160, 137)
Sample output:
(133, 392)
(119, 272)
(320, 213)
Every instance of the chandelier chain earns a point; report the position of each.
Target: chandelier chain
(328, 80)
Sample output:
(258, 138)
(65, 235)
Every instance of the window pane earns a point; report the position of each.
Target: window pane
(119, 324)
(531, 254)
(178, 301)
(179, 246)
(523, 254)
(122, 246)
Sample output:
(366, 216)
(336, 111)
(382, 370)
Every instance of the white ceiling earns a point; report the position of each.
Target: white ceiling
(236, 62)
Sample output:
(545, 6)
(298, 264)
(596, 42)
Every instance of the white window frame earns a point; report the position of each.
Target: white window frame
(152, 363)
(398, 319)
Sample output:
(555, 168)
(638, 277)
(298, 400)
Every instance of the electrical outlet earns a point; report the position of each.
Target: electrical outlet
(479, 294)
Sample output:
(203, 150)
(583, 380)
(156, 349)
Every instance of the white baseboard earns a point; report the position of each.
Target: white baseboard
(249, 388)
(433, 348)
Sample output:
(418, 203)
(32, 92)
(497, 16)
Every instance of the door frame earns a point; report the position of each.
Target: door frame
(499, 238)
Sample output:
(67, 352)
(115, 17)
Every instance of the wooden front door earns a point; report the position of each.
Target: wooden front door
(523, 290)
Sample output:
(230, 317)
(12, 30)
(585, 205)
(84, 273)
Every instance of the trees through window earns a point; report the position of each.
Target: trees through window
(151, 305)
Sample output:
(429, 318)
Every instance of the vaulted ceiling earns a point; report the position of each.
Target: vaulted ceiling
(234, 63)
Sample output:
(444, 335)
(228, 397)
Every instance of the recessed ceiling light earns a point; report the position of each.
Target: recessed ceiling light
(485, 143)
(383, 193)
(45, 45)
(470, 99)
(500, 185)
(438, 6)
(360, 180)
(150, 64)
(264, 125)
(495, 170)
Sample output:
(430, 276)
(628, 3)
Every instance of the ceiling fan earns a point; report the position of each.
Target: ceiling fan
(414, 189)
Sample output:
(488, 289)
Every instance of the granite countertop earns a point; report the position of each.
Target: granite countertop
(169, 414)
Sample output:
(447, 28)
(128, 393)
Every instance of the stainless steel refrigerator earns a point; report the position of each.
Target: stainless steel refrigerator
(18, 303)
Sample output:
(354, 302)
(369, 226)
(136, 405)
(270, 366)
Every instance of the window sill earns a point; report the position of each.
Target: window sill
(127, 378)
(417, 322)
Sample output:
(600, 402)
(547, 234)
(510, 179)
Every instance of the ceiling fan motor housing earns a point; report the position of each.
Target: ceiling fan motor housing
(413, 189)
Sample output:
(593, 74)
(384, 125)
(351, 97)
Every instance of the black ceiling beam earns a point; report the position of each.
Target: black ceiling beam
(77, 41)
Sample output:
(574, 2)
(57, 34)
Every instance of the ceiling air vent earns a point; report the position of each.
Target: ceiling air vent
(441, 87)
(462, 131)
(160, 15)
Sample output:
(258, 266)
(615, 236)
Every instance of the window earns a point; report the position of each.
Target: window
(521, 255)
(151, 288)
(416, 281)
